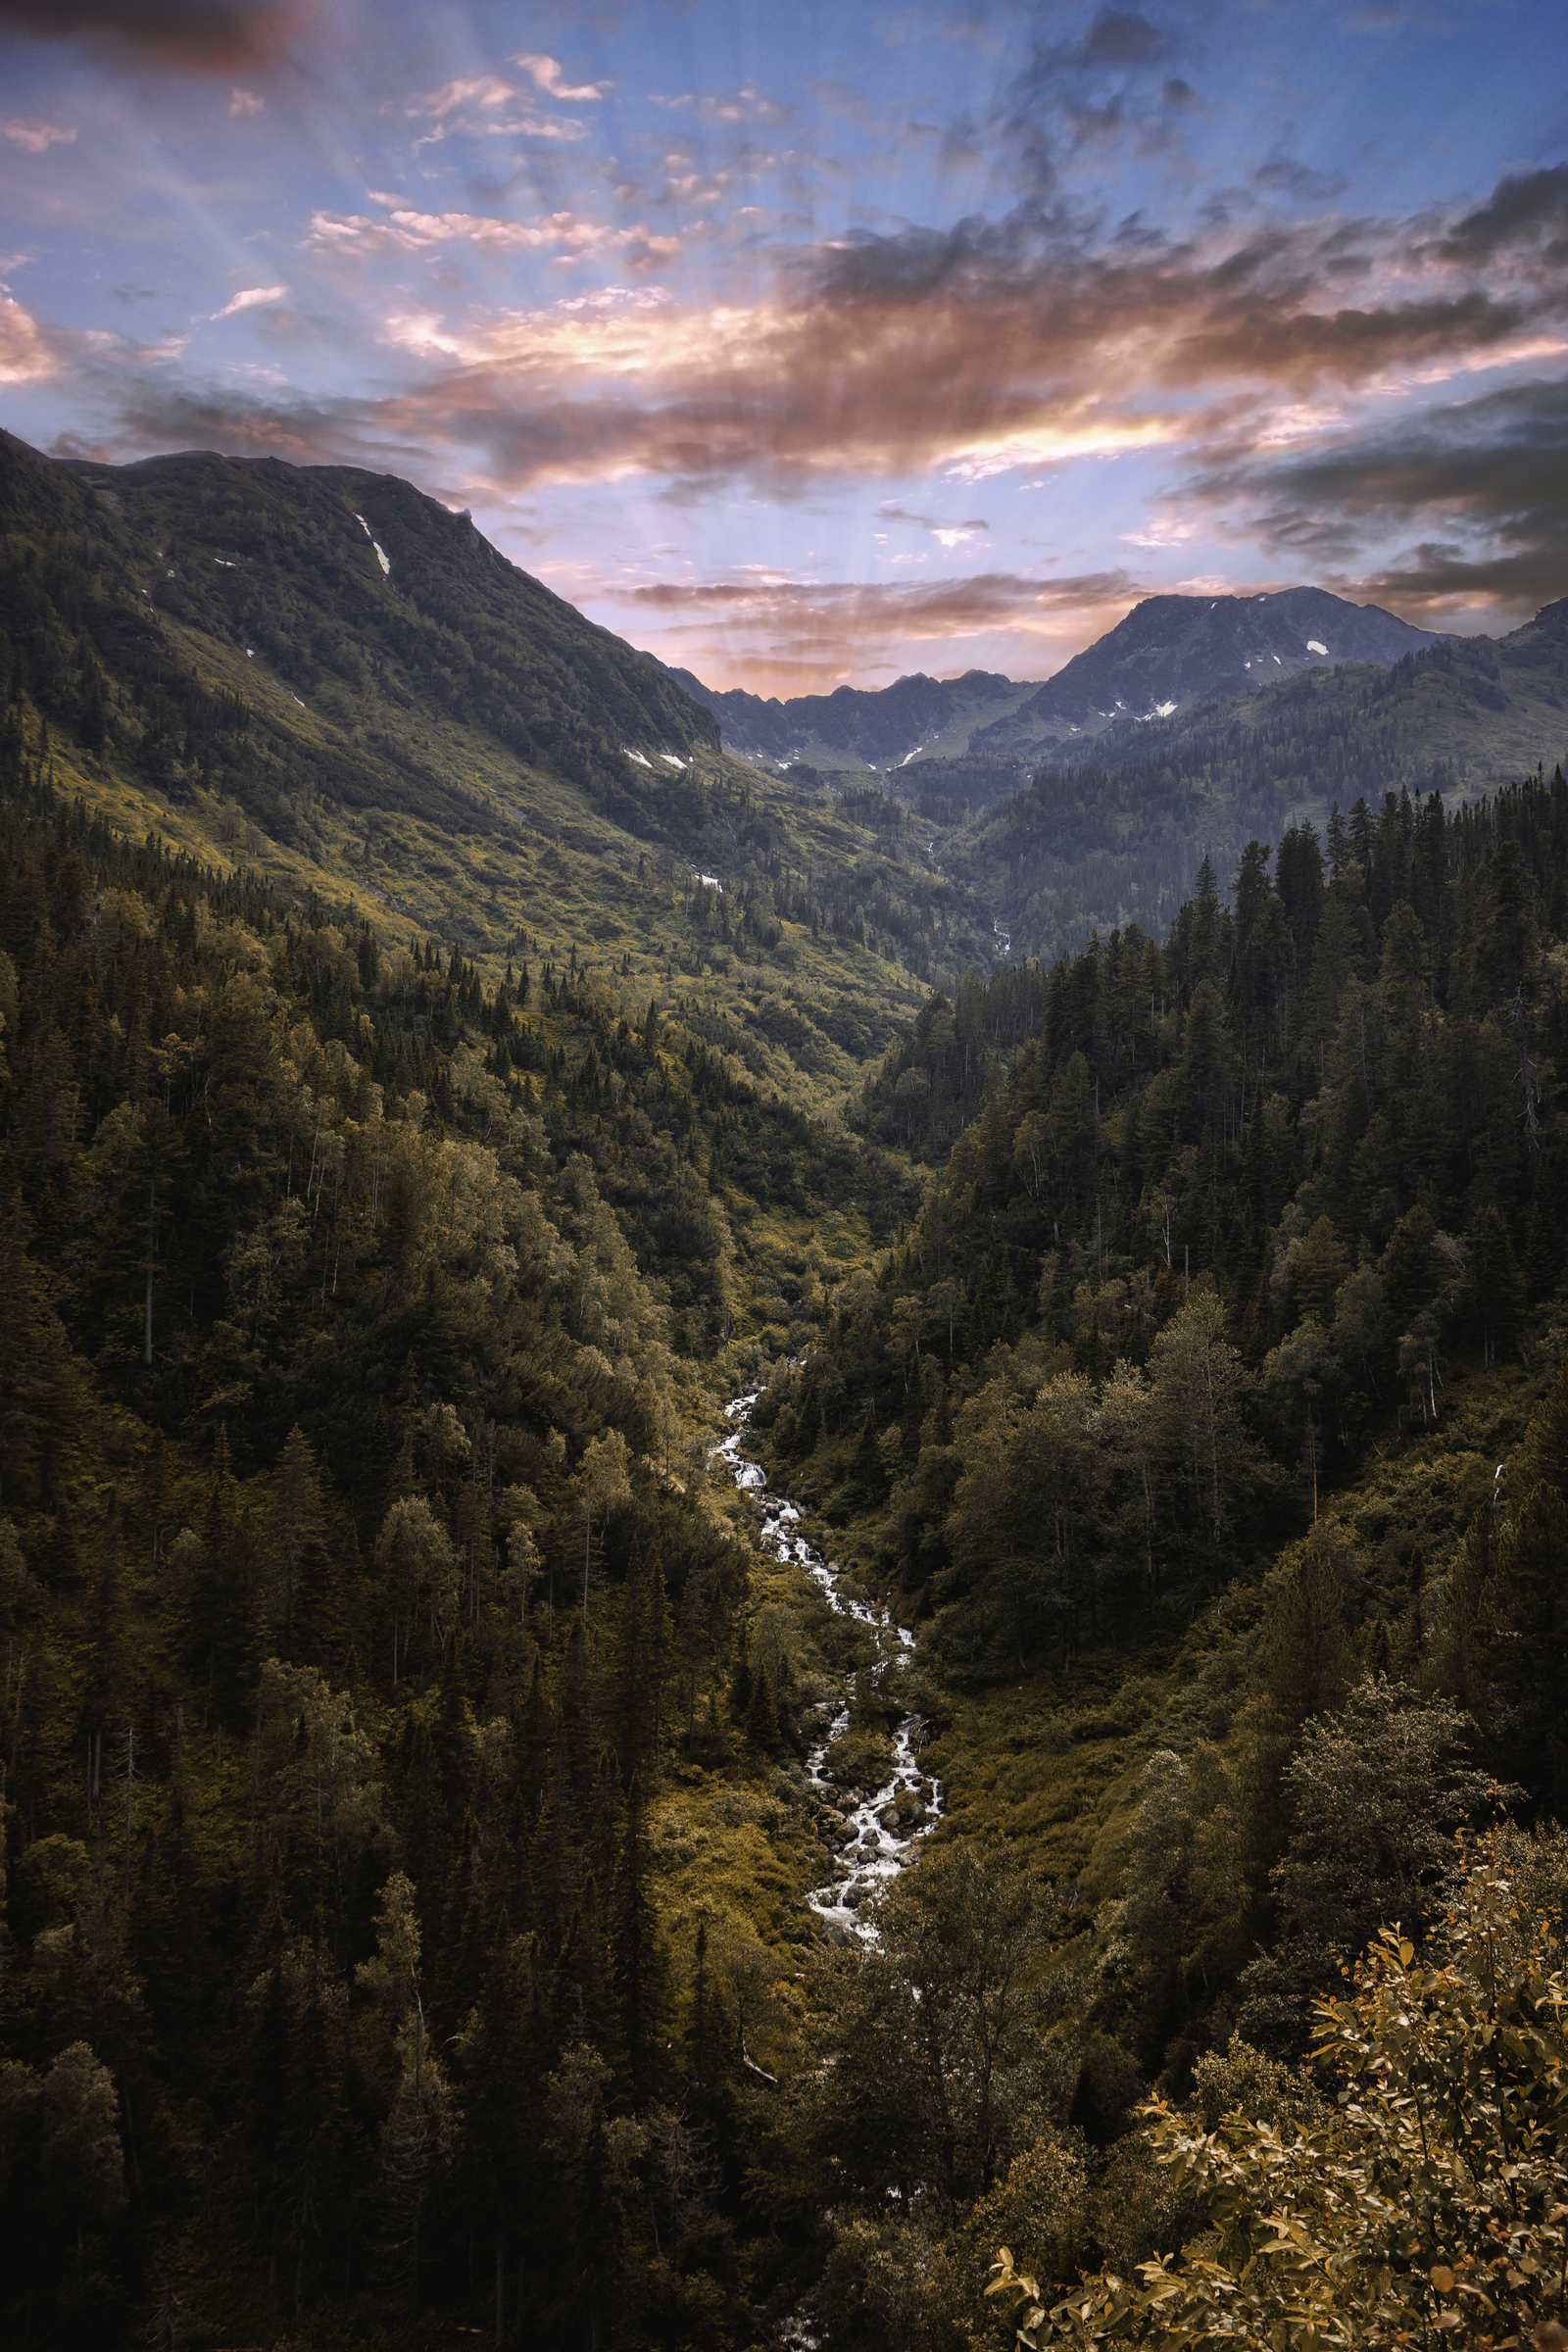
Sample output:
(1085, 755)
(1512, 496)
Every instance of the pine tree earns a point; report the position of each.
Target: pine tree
(1542, 1249)
(761, 1711)
(1495, 1285)
(298, 1524)
(641, 1962)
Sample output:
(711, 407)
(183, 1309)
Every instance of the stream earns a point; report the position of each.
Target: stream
(878, 1844)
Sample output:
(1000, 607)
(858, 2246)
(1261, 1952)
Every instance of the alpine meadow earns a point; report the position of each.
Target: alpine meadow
(783, 1178)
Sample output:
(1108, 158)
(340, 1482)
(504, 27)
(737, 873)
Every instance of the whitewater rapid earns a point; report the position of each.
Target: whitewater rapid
(875, 1852)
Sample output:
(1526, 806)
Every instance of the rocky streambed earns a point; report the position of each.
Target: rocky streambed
(873, 1833)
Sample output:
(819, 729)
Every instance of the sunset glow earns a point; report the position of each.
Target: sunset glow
(817, 345)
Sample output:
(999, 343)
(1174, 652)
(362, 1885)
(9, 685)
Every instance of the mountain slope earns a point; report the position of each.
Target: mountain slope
(322, 572)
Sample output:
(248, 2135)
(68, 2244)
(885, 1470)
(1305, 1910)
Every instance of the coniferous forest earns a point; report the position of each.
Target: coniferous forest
(406, 1828)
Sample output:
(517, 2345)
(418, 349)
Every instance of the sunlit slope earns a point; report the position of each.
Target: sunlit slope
(322, 675)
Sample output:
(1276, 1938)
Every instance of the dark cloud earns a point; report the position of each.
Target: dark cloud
(1111, 82)
(982, 601)
(1481, 483)
(1120, 37)
(219, 35)
(1520, 211)
(1283, 175)
(153, 413)
(888, 513)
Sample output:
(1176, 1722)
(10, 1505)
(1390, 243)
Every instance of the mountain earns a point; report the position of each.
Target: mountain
(880, 728)
(1173, 652)
(324, 573)
(323, 679)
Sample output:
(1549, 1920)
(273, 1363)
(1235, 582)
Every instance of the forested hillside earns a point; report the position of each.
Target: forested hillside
(1324, 1116)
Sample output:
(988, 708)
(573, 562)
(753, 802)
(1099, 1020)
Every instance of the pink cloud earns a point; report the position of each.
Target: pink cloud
(405, 229)
(546, 74)
(763, 633)
(249, 298)
(24, 354)
(34, 135)
(484, 107)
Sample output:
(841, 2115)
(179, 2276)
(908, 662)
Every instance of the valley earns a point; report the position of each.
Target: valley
(753, 1456)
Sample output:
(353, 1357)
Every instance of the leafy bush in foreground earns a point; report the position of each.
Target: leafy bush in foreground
(1427, 2205)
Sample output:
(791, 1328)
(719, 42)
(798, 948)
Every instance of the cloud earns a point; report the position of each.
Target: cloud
(1262, 363)
(248, 299)
(24, 354)
(791, 635)
(1283, 175)
(1481, 485)
(546, 74)
(798, 615)
(826, 629)
(246, 102)
(405, 229)
(483, 89)
(211, 35)
(966, 352)
(745, 105)
(35, 135)
(771, 393)
(947, 608)
(485, 107)
(1111, 83)
(1121, 36)
(950, 534)
(155, 414)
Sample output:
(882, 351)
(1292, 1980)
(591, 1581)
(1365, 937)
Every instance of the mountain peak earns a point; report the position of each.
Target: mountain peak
(1173, 651)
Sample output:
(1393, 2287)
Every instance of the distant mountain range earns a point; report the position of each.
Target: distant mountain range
(875, 729)
(1170, 653)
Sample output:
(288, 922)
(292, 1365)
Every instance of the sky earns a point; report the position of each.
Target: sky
(807, 345)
